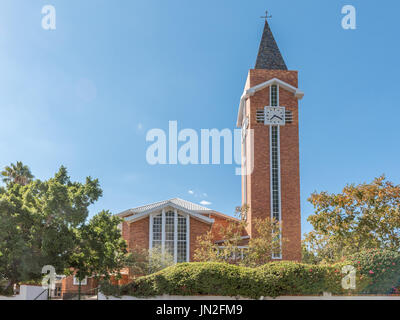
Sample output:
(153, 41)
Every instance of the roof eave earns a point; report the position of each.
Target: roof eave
(194, 214)
(299, 94)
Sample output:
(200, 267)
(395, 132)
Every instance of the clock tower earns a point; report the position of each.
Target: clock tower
(268, 116)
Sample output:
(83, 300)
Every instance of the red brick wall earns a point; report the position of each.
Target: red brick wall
(197, 228)
(125, 231)
(259, 182)
(68, 287)
(138, 235)
(219, 222)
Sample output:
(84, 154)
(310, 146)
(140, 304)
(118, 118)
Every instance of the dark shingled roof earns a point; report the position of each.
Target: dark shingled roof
(269, 57)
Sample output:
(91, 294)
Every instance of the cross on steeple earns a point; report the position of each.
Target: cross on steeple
(266, 16)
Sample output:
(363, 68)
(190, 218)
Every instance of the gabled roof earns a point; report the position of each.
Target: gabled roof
(180, 202)
(193, 209)
(269, 56)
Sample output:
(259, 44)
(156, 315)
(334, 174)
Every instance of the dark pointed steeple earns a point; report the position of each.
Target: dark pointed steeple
(269, 56)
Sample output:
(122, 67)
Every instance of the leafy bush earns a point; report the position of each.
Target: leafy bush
(382, 267)
(6, 291)
(31, 282)
(268, 240)
(109, 289)
(144, 262)
(222, 279)
(5, 288)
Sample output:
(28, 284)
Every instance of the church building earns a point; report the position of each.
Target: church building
(268, 116)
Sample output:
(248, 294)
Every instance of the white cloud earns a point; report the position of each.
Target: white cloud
(191, 192)
(205, 203)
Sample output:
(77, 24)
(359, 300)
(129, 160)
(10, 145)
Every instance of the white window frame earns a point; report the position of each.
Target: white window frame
(76, 281)
(277, 95)
(163, 212)
(244, 156)
(242, 249)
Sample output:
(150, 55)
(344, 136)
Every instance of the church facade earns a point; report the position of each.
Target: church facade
(172, 226)
(268, 116)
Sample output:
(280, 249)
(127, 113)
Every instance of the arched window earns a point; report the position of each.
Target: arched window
(169, 232)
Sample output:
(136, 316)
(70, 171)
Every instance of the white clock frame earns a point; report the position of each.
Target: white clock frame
(276, 111)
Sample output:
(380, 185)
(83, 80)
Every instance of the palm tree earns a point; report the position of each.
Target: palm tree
(18, 173)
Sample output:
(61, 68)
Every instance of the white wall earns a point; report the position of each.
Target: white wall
(28, 293)
(31, 292)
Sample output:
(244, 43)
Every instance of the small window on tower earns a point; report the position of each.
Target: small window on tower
(274, 95)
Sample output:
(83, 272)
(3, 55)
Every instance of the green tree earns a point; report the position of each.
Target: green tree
(228, 251)
(17, 173)
(266, 240)
(39, 222)
(364, 216)
(307, 256)
(100, 250)
(144, 261)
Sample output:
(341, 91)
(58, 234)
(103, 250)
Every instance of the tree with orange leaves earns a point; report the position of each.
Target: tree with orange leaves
(364, 216)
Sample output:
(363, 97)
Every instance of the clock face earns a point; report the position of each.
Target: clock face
(275, 116)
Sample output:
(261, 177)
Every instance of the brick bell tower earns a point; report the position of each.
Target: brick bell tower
(268, 116)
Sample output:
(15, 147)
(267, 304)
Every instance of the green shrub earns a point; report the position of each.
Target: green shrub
(382, 267)
(5, 288)
(201, 279)
(109, 289)
(6, 291)
(222, 279)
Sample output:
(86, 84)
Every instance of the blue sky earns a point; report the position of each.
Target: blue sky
(85, 94)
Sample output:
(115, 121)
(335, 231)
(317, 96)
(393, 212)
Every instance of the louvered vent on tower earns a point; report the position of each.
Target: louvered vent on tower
(288, 116)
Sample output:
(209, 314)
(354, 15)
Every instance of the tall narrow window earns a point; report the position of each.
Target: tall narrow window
(157, 231)
(171, 235)
(275, 172)
(274, 95)
(169, 232)
(181, 241)
(245, 126)
(275, 166)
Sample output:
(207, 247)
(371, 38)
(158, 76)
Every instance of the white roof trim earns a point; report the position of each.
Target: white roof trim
(191, 206)
(143, 214)
(252, 91)
(124, 213)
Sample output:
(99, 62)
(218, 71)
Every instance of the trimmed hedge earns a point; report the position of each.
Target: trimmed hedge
(207, 278)
(378, 271)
